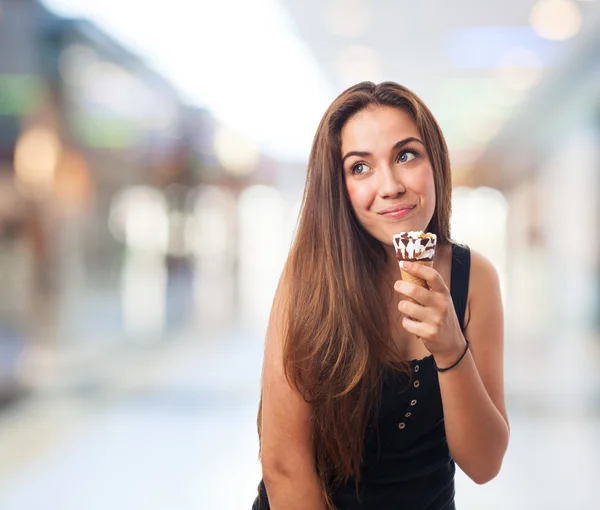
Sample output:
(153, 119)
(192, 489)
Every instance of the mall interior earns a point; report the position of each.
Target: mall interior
(152, 164)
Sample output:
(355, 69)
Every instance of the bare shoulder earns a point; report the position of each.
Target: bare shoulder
(481, 267)
(484, 285)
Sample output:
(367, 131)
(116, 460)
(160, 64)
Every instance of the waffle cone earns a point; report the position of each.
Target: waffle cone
(407, 277)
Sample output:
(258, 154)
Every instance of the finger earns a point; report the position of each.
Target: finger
(420, 329)
(413, 311)
(423, 296)
(429, 274)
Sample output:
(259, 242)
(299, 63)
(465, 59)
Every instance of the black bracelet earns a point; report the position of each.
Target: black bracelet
(459, 359)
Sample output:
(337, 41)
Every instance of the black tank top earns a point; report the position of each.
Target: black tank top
(406, 461)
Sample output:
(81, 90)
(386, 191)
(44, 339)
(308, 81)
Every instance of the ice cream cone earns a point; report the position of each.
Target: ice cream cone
(407, 277)
(417, 248)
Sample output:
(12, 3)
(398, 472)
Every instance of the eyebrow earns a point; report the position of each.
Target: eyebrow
(397, 145)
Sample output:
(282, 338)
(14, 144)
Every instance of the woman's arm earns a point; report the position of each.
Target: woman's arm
(473, 391)
(287, 452)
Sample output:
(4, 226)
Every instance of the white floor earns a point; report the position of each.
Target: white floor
(176, 430)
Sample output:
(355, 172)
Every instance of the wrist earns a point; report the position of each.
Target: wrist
(447, 361)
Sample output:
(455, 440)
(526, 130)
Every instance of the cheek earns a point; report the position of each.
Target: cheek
(361, 196)
(424, 184)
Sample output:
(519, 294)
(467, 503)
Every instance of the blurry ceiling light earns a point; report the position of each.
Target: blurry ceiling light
(557, 20)
(36, 155)
(348, 18)
(519, 68)
(238, 155)
(359, 63)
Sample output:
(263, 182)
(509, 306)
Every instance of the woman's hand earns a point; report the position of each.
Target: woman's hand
(433, 318)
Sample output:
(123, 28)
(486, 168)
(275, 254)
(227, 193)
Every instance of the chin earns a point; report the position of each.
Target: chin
(385, 233)
(391, 230)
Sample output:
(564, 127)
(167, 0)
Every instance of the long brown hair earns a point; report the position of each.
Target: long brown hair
(336, 334)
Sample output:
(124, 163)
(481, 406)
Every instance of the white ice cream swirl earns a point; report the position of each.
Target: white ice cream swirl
(415, 245)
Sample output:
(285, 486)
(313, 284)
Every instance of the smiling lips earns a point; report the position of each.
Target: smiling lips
(400, 211)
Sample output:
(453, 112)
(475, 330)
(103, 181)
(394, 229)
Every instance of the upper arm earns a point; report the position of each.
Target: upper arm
(485, 328)
(286, 439)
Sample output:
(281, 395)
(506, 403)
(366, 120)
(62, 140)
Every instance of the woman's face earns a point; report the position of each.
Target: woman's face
(387, 172)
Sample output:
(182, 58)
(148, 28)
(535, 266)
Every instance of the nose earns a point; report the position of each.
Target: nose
(391, 184)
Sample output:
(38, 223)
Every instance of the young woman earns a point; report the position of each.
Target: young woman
(368, 399)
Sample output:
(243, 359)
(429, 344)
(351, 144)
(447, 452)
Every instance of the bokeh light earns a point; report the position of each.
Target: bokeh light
(556, 19)
(36, 156)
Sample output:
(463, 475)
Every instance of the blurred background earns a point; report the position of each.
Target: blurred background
(152, 159)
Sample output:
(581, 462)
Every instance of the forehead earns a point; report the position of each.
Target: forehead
(377, 129)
